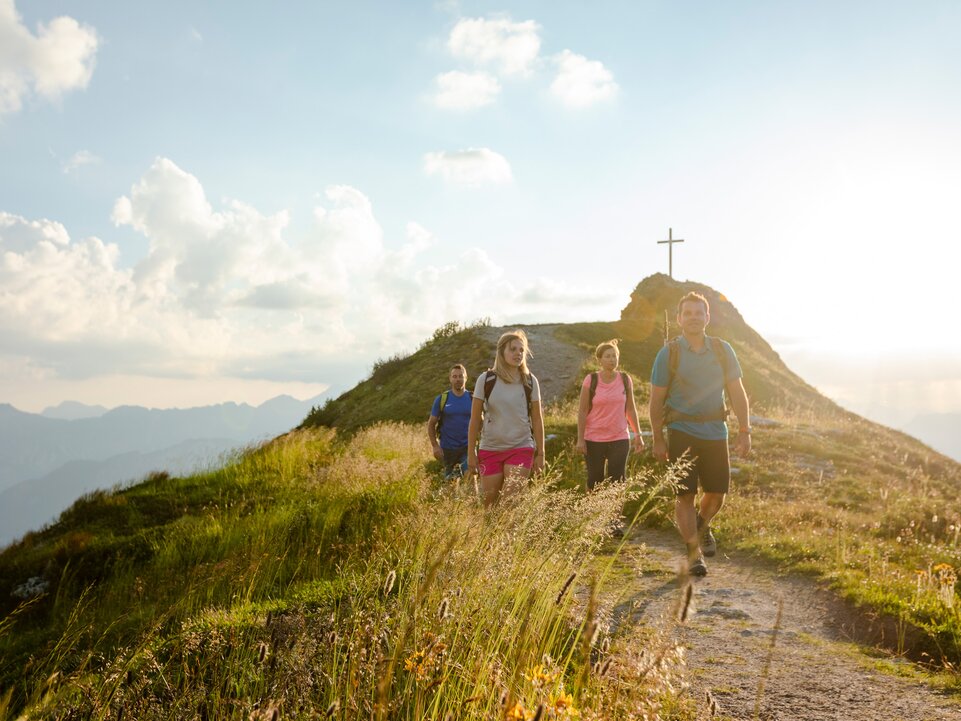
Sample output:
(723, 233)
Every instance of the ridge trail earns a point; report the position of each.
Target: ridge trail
(815, 673)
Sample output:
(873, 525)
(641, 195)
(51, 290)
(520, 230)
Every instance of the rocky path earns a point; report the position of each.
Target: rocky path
(734, 639)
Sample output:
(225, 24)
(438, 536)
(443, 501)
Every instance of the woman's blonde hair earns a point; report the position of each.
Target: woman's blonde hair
(607, 345)
(500, 366)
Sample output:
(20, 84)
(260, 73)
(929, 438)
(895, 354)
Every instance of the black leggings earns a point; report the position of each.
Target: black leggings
(614, 452)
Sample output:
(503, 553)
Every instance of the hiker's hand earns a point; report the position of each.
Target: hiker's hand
(660, 449)
(638, 443)
(581, 447)
(438, 453)
(538, 461)
(471, 465)
(743, 444)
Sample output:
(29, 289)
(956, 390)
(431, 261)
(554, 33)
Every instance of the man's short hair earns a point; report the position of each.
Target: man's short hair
(696, 297)
(458, 366)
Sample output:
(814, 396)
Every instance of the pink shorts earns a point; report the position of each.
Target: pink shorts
(493, 462)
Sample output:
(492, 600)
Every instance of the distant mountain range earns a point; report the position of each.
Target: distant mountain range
(50, 459)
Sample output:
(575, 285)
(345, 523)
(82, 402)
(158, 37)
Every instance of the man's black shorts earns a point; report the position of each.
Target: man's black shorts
(711, 465)
(455, 462)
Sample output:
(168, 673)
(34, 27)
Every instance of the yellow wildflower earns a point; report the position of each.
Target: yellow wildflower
(540, 677)
(564, 703)
(519, 713)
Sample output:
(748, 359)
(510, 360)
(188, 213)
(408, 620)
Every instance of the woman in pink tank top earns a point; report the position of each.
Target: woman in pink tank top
(603, 418)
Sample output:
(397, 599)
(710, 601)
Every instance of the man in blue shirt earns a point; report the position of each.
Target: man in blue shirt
(688, 382)
(449, 419)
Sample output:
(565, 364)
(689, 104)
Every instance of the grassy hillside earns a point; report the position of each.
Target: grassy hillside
(318, 578)
(402, 388)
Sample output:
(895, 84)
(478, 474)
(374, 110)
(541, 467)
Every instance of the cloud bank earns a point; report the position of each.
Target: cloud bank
(227, 291)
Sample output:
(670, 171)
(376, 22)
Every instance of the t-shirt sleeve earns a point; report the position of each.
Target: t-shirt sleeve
(535, 388)
(733, 367)
(660, 373)
(435, 409)
(479, 386)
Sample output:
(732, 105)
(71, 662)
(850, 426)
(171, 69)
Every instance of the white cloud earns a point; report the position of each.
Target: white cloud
(580, 82)
(196, 253)
(17, 234)
(465, 91)
(474, 166)
(511, 47)
(79, 159)
(59, 58)
(224, 291)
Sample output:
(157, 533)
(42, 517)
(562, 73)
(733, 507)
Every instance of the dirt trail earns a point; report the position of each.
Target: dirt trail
(814, 673)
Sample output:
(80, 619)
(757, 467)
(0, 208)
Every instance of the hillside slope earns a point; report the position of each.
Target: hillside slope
(401, 388)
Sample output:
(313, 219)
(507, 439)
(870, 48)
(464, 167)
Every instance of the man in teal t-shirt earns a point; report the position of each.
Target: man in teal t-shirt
(689, 400)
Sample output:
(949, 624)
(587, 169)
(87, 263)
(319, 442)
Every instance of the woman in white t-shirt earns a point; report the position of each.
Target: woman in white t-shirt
(602, 421)
(509, 424)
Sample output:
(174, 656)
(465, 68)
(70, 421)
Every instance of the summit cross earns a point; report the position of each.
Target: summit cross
(671, 240)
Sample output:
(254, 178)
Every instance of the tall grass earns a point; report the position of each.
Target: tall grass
(330, 581)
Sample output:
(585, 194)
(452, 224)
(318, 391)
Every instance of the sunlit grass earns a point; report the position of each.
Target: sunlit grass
(321, 579)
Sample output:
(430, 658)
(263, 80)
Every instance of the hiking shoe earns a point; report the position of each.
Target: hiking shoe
(708, 543)
(697, 567)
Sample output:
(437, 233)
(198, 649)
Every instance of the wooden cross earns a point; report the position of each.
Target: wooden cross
(671, 240)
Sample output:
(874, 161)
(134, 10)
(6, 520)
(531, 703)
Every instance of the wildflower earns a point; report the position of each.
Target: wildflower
(540, 677)
(415, 661)
(519, 713)
(564, 704)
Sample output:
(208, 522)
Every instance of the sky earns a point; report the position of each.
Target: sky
(202, 202)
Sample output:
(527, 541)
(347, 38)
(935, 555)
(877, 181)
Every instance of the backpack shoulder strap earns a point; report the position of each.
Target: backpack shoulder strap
(440, 408)
(673, 359)
(717, 345)
(627, 390)
(490, 378)
(528, 391)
